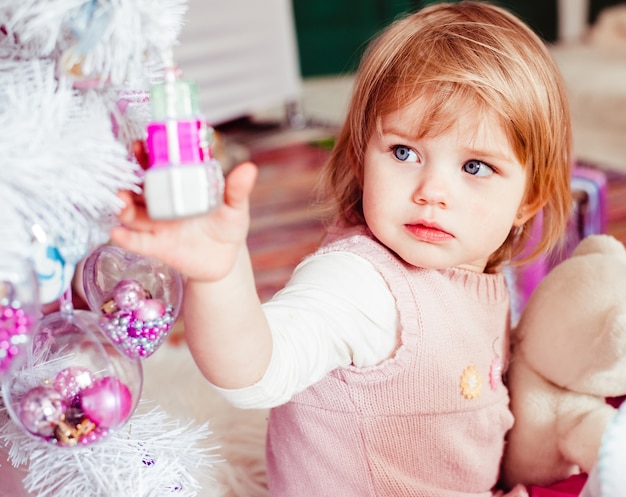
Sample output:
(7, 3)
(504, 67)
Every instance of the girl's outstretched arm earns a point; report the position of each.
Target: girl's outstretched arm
(225, 327)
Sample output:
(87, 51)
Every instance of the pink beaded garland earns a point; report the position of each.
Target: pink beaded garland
(15, 327)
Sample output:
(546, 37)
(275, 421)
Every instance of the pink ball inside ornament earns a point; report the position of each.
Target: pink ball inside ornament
(111, 273)
(128, 295)
(70, 381)
(41, 409)
(149, 310)
(107, 402)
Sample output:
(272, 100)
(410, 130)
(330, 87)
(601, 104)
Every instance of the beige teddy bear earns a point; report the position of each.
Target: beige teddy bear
(568, 356)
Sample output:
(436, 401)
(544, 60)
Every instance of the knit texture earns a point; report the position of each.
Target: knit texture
(429, 421)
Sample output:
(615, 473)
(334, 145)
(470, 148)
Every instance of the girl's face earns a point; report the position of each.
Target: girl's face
(444, 201)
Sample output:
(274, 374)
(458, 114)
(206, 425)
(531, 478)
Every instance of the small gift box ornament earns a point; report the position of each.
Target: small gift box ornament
(74, 387)
(138, 298)
(183, 178)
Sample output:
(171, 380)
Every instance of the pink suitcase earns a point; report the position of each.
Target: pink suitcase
(589, 216)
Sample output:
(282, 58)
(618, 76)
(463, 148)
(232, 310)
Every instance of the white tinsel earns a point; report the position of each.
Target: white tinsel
(154, 455)
(14, 239)
(62, 166)
(65, 65)
(32, 30)
(131, 113)
(113, 49)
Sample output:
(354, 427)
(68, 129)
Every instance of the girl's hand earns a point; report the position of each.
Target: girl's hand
(202, 248)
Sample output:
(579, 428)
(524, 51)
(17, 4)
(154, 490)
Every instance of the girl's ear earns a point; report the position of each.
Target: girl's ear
(527, 211)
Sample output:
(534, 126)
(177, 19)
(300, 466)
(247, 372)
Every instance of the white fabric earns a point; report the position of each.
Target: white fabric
(335, 311)
(242, 54)
(594, 79)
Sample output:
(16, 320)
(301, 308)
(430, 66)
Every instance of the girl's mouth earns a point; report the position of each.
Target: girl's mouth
(430, 233)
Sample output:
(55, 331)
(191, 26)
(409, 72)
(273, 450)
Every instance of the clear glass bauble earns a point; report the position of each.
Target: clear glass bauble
(138, 297)
(75, 387)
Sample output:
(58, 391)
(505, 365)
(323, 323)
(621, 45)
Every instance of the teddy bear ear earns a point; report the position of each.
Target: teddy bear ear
(600, 244)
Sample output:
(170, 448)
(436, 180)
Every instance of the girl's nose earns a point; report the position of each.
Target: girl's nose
(432, 189)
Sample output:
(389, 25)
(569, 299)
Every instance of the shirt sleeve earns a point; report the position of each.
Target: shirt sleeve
(336, 310)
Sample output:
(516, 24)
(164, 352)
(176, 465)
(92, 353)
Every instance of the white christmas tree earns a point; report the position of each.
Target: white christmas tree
(74, 76)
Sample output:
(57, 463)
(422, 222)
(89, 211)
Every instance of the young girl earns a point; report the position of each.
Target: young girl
(382, 357)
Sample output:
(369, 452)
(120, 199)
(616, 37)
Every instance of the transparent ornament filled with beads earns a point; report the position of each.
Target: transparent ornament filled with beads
(19, 311)
(139, 298)
(74, 387)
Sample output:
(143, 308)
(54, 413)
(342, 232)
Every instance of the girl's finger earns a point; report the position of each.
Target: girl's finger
(134, 215)
(239, 184)
(140, 242)
(141, 154)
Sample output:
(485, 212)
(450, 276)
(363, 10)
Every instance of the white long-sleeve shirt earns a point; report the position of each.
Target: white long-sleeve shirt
(336, 310)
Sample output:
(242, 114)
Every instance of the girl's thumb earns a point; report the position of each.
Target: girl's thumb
(239, 184)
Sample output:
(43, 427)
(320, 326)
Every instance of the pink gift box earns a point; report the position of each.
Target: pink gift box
(187, 144)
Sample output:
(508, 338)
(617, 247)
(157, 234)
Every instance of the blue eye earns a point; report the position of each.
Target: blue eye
(477, 168)
(404, 153)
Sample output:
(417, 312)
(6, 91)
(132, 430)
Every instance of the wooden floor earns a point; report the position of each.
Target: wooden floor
(285, 225)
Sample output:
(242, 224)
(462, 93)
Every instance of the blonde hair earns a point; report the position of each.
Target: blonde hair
(451, 56)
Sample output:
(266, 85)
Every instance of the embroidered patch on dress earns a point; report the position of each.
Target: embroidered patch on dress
(471, 382)
(495, 369)
(495, 373)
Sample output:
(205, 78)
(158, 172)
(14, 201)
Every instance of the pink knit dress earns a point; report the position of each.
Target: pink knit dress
(428, 422)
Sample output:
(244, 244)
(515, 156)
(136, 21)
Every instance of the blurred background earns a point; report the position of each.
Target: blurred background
(291, 61)
(275, 77)
(331, 34)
